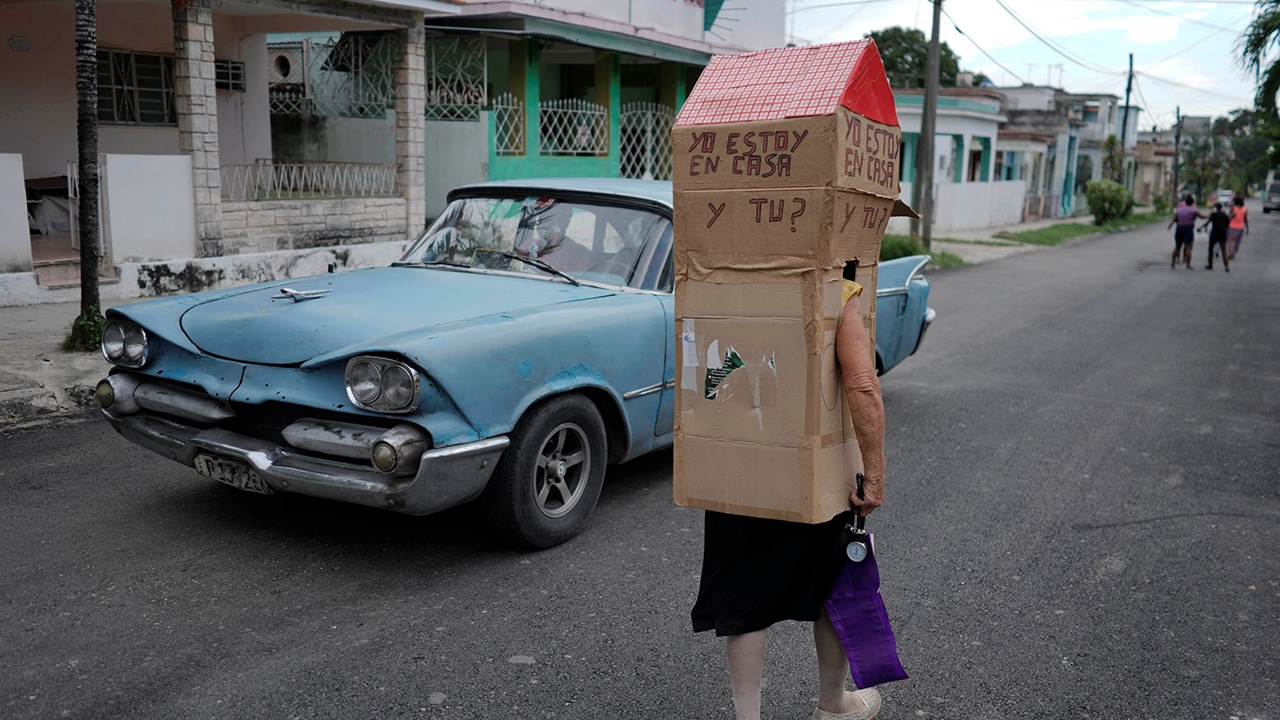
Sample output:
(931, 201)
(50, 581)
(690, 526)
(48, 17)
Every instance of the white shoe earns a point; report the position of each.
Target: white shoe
(871, 706)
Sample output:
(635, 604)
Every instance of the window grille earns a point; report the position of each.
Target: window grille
(351, 75)
(457, 69)
(228, 75)
(573, 127)
(135, 88)
(646, 141)
(508, 125)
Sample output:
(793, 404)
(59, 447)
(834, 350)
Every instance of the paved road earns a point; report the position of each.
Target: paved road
(1081, 522)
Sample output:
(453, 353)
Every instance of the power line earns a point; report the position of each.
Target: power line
(1055, 48)
(1184, 86)
(984, 52)
(1198, 42)
(1172, 15)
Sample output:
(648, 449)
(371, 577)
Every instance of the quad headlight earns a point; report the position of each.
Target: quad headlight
(381, 384)
(124, 343)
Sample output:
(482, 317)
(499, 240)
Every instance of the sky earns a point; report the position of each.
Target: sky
(1183, 51)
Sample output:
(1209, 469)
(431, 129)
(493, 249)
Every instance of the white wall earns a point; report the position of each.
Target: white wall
(675, 17)
(244, 118)
(148, 207)
(457, 154)
(750, 24)
(970, 206)
(366, 140)
(15, 239)
(38, 111)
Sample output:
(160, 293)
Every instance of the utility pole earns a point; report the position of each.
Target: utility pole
(922, 188)
(1177, 154)
(1124, 124)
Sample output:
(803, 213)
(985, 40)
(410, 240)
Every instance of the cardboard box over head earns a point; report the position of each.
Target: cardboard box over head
(786, 169)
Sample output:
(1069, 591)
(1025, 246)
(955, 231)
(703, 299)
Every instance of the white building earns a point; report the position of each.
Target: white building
(247, 126)
(970, 189)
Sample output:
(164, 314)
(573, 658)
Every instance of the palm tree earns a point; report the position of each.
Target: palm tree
(86, 329)
(1255, 44)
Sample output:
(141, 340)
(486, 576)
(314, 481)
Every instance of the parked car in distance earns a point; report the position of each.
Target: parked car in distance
(1271, 198)
(1224, 197)
(523, 343)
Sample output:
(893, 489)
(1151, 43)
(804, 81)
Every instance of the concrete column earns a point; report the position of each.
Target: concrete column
(197, 106)
(411, 122)
(526, 83)
(671, 85)
(608, 83)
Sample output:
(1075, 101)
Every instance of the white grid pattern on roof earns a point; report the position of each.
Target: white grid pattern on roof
(772, 84)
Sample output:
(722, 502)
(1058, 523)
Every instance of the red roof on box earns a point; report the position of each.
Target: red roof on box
(792, 82)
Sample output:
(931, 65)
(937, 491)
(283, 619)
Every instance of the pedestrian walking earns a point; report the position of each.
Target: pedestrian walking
(1184, 216)
(1239, 226)
(757, 572)
(1217, 224)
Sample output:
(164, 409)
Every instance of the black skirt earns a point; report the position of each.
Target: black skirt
(757, 572)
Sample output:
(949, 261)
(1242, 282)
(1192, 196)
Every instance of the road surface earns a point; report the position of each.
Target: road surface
(1081, 521)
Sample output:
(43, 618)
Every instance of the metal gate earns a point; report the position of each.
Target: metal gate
(646, 140)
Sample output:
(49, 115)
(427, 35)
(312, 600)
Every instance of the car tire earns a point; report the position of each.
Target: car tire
(1266, 211)
(549, 479)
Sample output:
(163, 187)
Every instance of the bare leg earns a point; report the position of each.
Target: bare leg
(833, 668)
(746, 666)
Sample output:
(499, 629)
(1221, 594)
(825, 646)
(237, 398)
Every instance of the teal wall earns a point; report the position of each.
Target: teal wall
(985, 174)
(667, 85)
(533, 163)
(909, 142)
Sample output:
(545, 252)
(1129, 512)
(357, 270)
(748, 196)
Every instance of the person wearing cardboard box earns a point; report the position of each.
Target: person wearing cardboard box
(785, 173)
(757, 571)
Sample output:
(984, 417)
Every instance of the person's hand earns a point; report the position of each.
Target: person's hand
(872, 494)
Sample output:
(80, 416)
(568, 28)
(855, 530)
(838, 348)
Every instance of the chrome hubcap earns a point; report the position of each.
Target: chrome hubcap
(560, 475)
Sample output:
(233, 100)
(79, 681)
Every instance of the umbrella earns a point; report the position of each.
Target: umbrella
(857, 611)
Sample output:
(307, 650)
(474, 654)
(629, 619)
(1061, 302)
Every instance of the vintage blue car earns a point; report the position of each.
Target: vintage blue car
(523, 343)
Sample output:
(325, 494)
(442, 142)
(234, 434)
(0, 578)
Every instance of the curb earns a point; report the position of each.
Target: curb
(18, 407)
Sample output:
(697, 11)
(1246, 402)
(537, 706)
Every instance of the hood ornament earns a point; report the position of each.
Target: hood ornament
(299, 295)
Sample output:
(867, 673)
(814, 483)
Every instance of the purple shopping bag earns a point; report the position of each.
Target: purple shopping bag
(857, 611)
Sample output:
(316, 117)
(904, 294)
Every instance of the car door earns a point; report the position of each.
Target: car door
(665, 423)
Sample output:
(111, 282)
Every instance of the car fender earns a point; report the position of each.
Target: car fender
(495, 368)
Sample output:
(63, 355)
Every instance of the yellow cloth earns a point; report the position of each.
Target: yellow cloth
(850, 289)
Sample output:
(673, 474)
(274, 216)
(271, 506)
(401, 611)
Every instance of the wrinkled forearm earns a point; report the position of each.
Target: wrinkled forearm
(866, 408)
(862, 389)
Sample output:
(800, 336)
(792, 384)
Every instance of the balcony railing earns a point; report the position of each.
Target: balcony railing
(293, 181)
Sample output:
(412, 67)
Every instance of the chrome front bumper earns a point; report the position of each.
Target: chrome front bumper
(446, 477)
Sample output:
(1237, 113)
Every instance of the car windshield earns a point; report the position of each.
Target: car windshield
(586, 241)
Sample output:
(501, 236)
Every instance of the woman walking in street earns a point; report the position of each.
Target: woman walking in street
(1184, 216)
(757, 572)
(1239, 226)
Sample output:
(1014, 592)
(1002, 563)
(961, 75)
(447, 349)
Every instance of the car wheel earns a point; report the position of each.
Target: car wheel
(549, 479)
(1266, 211)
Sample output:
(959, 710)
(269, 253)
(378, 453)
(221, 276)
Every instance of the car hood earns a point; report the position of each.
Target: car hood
(359, 308)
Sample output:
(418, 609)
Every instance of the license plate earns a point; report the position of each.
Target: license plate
(232, 472)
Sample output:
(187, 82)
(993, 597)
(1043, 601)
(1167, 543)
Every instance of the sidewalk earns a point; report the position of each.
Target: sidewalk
(37, 379)
(982, 245)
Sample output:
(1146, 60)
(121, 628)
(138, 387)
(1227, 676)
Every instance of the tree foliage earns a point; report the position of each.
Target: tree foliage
(1255, 46)
(1207, 163)
(1112, 159)
(905, 53)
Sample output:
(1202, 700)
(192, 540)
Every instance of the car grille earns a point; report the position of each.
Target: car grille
(268, 420)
